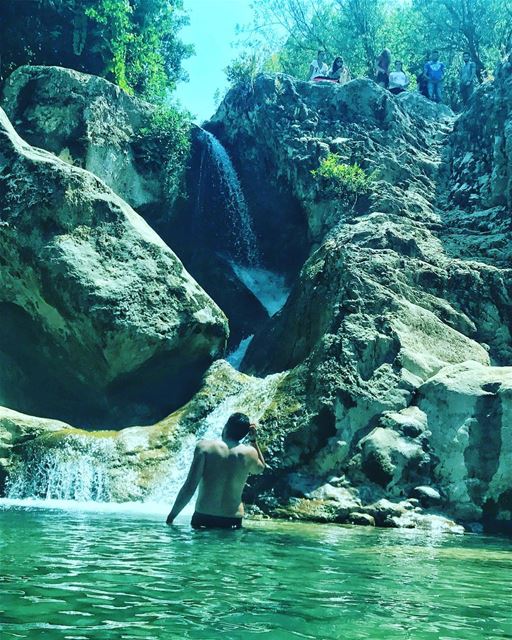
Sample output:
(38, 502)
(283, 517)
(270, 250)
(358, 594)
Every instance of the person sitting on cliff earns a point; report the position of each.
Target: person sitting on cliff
(398, 80)
(382, 65)
(318, 67)
(220, 469)
(339, 71)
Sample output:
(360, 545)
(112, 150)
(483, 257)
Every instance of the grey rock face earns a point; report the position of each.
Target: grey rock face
(99, 320)
(88, 122)
(469, 409)
(384, 303)
(480, 183)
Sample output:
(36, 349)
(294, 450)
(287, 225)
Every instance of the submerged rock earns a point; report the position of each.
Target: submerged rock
(100, 322)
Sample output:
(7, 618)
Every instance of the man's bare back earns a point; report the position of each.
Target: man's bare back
(225, 473)
(220, 469)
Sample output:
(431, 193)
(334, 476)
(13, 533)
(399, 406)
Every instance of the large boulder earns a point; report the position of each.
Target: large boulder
(469, 411)
(304, 122)
(100, 322)
(90, 123)
(382, 304)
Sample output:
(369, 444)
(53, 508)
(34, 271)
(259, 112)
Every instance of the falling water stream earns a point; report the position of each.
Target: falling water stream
(89, 469)
(216, 169)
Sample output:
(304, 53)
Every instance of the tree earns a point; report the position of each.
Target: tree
(479, 26)
(354, 29)
(359, 29)
(134, 43)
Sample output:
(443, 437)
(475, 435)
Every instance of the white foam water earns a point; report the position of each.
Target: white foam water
(269, 287)
(237, 355)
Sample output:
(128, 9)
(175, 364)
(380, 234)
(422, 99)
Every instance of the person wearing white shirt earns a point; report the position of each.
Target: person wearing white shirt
(318, 66)
(398, 80)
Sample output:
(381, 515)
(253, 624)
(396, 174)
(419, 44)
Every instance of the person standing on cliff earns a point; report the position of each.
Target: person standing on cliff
(467, 75)
(220, 469)
(434, 72)
(382, 65)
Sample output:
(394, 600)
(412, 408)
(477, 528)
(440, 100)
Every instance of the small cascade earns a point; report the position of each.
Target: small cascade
(95, 469)
(217, 175)
(80, 468)
(254, 399)
(237, 355)
(270, 288)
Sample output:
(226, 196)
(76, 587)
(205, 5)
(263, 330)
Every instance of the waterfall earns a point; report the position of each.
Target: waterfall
(254, 399)
(237, 355)
(80, 468)
(217, 170)
(96, 468)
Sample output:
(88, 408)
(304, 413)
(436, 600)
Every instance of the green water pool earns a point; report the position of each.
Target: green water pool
(88, 575)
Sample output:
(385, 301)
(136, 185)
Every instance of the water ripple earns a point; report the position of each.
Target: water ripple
(109, 576)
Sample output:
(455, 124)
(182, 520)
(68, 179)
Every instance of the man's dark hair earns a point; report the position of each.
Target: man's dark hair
(237, 426)
(434, 51)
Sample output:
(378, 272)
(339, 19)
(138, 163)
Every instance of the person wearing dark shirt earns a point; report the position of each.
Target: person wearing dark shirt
(467, 75)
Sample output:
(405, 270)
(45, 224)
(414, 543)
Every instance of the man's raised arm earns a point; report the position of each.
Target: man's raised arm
(189, 486)
(260, 463)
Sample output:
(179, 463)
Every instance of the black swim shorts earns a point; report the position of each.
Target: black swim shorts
(204, 521)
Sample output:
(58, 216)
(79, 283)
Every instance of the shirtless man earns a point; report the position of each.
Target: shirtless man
(221, 469)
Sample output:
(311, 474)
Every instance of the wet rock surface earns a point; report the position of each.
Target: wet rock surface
(382, 305)
(100, 322)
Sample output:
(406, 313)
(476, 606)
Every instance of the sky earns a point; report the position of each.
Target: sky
(212, 31)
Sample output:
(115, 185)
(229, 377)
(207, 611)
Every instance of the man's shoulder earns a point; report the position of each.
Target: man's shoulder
(246, 451)
(208, 445)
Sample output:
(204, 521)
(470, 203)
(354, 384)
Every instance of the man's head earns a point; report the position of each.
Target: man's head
(466, 56)
(435, 55)
(237, 427)
(320, 56)
(399, 66)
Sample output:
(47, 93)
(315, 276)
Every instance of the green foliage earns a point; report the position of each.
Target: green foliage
(133, 43)
(166, 134)
(341, 179)
(359, 29)
(243, 69)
